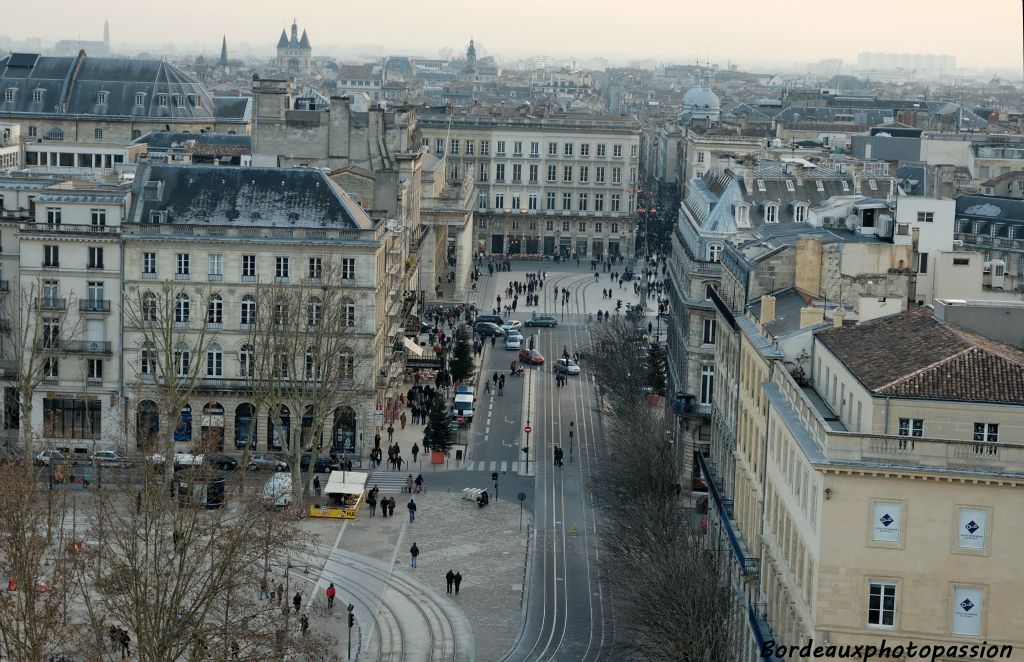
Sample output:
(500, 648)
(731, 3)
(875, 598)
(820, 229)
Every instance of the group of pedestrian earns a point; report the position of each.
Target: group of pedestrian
(454, 580)
(120, 640)
(419, 399)
(499, 382)
(561, 379)
(395, 460)
(559, 454)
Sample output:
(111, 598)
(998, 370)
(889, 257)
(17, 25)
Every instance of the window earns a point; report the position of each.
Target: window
(500, 150)
(552, 173)
(532, 201)
(315, 270)
(53, 215)
(161, 99)
(349, 315)
(248, 311)
(584, 174)
(282, 268)
(94, 295)
(517, 148)
(616, 151)
(147, 361)
(600, 150)
(95, 257)
(599, 175)
(499, 172)
(800, 213)
(925, 217)
(583, 202)
(567, 202)
(216, 266)
(439, 146)
(179, 100)
(599, 202)
(552, 149)
(182, 361)
(499, 200)
(710, 327)
(534, 169)
(790, 186)
(820, 185)
(51, 368)
(454, 146)
(922, 265)
(515, 205)
(551, 201)
(51, 332)
(470, 148)
(37, 96)
(549, 226)
(567, 174)
(565, 226)
(51, 256)
(182, 309)
(634, 150)
(482, 199)
(71, 418)
(215, 361)
(9, 94)
(347, 367)
(567, 149)
(714, 252)
(517, 173)
(598, 227)
(616, 175)
(483, 172)
(248, 268)
(615, 202)
(140, 98)
(485, 148)
(97, 134)
(584, 149)
(314, 310)
(98, 217)
(911, 427)
(987, 432)
(882, 604)
(32, 132)
(846, 185)
(280, 312)
(771, 214)
(215, 311)
(183, 264)
(245, 361)
(967, 601)
(707, 383)
(534, 149)
(872, 185)
(148, 308)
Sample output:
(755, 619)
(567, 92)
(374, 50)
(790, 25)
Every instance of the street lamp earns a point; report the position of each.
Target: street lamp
(572, 431)
(494, 477)
(351, 622)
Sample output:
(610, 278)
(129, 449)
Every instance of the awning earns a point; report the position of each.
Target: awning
(412, 348)
(346, 482)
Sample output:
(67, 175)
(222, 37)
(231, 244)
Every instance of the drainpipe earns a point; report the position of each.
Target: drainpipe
(885, 430)
(764, 478)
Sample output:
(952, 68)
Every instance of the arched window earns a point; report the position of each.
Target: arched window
(306, 429)
(182, 360)
(214, 361)
(313, 311)
(215, 310)
(279, 435)
(245, 425)
(56, 134)
(147, 424)
(245, 361)
(800, 212)
(248, 316)
(182, 309)
(148, 307)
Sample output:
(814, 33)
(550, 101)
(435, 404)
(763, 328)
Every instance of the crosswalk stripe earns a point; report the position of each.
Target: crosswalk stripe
(494, 466)
(504, 467)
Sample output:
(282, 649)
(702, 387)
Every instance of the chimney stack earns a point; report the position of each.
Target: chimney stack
(767, 309)
(798, 172)
(858, 174)
(810, 316)
(837, 317)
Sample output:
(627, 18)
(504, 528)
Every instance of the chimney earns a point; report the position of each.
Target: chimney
(837, 317)
(798, 172)
(858, 173)
(767, 309)
(748, 177)
(810, 316)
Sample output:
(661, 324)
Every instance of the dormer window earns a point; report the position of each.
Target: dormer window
(101, 98)
(9, 94)
(800, 212)
(714, 252)
(820, 185)
(760, 186)
(771, 213)
(193, 100)
(161, 99)
(743, 216)
(790, 186)
(140, 98)
(37, 96)
(1011, 232)
(179, 100)
(976, 229)
(994, 230)
(872, 185)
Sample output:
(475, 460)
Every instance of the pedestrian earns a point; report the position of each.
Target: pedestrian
(297, 601)
(331, 592)
(126, 644)
(371, 499)
(114, 635)
(376, 440)
(414, 552)
(494, 339)
(235, 650)
(457, 580)
(416, 448)
(263, 589)
(384, 507)
(487, 386)
(449, 580)
(401, 419)
(412, 511)
(391, 507)
(391, 432)
(280, 593)
(398, 462)
(316, 486)
(495, 377)
(304, 624)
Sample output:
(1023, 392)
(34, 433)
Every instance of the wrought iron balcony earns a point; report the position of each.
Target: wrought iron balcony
(88, 346)
(749, 565)
(685, 405)
(94, 305)
(51, 303)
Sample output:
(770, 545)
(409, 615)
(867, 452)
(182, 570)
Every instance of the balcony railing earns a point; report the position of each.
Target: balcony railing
(51, 303)
(750, 565)
(69, 228)
(94, 305)
(757, 616)
(88, 346)
(685, 405)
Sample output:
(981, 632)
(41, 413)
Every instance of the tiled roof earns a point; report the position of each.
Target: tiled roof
(913, 355)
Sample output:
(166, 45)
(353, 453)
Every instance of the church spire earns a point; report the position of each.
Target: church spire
(224, 51)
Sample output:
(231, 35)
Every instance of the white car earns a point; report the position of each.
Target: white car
(109, 458)
(511, 325)
(46, 458)
(568, 366)
(513, 341)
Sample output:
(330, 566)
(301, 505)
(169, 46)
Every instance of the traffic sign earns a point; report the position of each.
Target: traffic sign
(461, 419)
(527, 429)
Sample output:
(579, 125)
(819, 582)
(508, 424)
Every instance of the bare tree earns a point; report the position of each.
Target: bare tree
(306, 354)
(172, 335)
(40, 335)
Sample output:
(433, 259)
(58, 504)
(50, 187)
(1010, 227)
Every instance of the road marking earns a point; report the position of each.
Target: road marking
(494, 465)
(504, 467)
(487, 428)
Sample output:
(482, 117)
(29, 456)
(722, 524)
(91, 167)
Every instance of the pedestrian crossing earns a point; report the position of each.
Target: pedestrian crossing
(501, 467)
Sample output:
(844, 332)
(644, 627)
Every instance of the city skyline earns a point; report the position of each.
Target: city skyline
(675, 32)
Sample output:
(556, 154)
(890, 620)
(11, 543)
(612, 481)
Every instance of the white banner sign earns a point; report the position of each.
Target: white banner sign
(967, 610)
(888, 518)
(973, 527)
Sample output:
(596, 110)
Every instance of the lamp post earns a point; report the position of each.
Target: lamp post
(526, 449)
(572, 432)
(351, 622)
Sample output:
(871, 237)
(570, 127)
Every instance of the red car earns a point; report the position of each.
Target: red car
(531, 356)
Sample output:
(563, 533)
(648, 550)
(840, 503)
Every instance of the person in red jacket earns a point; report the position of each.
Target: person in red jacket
(331, 592)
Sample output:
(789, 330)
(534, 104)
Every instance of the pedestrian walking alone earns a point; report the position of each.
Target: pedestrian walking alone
(297, 601)
(414, 552)
(391, 432)
(416, 448)
(412, 511)
(331, 592)
(391, 507)
(263, 589)
(457, 580)
(316, 486)
(304, 624)
(449, 580)
(371, 499)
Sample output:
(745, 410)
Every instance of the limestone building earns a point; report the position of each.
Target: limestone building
(295, 54)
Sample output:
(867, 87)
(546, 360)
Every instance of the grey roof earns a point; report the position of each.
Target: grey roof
(304, 42)
(72, 86)
(283, 41)
(828, 114)
(159, 141)
(261, 197)
(985, 211)
(788, 304)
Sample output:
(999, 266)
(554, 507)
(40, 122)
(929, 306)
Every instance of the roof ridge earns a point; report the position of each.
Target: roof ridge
(926, 368)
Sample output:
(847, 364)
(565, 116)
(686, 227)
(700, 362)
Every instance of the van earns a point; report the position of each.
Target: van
(493, 319)
(277, 491)
(463, 405)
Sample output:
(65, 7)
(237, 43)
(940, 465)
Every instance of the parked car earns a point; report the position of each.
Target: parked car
(542, 320)
(49, 457)
(498, 320)
(513, 341)
(180, 460)
(487, 329)
(222, 461)
(568, 366)
(323, 465)
(531, 356)
(109, 459)
(267, 461)
(464, 388)
(511, 325)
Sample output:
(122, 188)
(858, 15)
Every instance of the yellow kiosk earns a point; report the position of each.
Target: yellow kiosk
(343, 495)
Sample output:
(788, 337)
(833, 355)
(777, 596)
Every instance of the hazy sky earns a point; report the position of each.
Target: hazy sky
(980, 33)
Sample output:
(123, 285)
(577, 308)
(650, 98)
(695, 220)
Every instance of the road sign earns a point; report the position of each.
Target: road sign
(461, 419)
(527, 429)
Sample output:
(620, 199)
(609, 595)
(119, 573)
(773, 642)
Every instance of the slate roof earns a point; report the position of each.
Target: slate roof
(982, 212)
(72, 86)
(261, 197)
(914, 355)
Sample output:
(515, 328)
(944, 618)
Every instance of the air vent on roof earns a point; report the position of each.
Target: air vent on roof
(293, 217)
